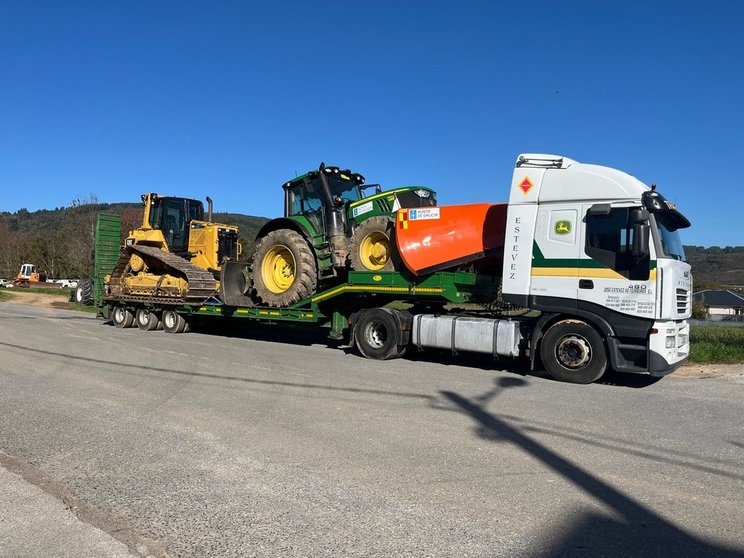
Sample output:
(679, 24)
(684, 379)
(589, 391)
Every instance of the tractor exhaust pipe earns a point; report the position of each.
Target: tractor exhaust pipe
(209, 210)
(335, 223)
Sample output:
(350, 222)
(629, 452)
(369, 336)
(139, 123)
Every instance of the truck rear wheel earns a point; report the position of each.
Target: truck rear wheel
(377, 334)
(284, 270)
(573, 351)
(372, 245)
(146, 319)
(122, 317)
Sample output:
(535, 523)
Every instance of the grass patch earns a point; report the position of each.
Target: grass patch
(42, 290)
(711, 344)
(81, 307)
(5, 295)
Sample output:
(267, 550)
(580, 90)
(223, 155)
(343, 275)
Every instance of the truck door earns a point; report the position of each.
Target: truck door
(555, 255)
(610, 276)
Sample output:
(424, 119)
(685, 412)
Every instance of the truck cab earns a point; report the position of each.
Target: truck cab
(591, 243)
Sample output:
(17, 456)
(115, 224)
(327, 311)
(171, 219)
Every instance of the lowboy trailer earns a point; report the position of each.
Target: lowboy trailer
(589, 255)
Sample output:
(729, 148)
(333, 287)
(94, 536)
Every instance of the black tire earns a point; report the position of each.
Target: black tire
(173, 322)
(284, 269)
(122, 317)
(146, 319)
(377, 334)
(375, 231)
(84, 292)
(573, 351)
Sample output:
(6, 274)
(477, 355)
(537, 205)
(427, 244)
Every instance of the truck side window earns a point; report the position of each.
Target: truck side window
(609, 240)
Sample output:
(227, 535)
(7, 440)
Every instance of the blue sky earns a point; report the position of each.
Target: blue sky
(230, 99)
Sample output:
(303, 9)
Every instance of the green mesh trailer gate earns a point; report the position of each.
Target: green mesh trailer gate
(108, 245)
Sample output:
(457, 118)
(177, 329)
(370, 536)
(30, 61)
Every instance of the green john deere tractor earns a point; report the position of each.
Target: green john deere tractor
(331, 223)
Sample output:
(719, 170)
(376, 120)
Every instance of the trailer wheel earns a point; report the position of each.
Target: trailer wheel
(377, 335)
(573, 351)
(173, 322)
(284, 270)
(372, 245)
(122, 317)
(84, 292)
(146, 319)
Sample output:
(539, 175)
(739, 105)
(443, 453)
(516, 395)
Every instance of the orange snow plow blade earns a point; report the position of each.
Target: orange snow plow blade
(435, 238)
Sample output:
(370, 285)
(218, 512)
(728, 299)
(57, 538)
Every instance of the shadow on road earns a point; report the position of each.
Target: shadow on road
(226, 377)
(630, 529)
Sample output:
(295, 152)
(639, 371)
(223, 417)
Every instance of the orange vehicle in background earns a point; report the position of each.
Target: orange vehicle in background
(29, 276)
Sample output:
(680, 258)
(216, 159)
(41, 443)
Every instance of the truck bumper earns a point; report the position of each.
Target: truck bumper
(668, 347)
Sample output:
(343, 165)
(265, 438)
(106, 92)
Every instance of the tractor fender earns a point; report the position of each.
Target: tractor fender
(285, 223)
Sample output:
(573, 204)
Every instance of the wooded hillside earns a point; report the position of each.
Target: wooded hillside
(60, 241)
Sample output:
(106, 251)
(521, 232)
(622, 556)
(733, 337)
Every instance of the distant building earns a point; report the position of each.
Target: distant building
(721, 305)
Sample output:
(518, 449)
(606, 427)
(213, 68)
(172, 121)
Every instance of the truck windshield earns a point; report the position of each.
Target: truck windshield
(670, 241)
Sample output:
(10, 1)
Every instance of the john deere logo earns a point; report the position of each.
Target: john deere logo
(377, 278)
(563, 227)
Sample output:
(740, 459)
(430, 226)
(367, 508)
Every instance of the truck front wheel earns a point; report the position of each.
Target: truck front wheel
(573, 351)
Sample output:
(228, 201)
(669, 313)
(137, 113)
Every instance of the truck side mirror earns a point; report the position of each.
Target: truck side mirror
(641, 234)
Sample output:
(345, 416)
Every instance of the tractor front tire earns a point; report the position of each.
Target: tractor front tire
(373, 245)
(284, 269)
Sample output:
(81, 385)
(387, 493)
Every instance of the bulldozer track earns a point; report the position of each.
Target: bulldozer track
(202, 284)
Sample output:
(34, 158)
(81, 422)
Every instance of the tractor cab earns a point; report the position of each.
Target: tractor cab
(306, 195)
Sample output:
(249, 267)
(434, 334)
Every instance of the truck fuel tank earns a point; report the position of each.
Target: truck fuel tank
(466, 333)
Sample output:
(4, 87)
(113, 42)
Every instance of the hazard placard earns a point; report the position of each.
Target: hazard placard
(526, 185)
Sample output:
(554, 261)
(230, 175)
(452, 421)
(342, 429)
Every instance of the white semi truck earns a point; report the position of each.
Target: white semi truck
(595, 250)
(598, 245)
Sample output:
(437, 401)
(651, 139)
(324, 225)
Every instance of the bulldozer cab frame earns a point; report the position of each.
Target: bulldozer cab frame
(173, 216)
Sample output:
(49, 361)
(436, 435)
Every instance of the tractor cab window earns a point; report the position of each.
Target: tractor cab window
(343, 187)
(304, 200)
(609, 240)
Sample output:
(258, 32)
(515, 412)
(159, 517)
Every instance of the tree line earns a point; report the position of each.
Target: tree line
(60, 241)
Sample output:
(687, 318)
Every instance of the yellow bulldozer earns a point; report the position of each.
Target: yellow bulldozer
(175, 256)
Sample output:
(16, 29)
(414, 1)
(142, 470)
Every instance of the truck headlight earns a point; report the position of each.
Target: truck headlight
(671, 342)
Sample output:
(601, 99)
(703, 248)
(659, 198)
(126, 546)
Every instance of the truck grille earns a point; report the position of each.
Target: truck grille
(683, 301)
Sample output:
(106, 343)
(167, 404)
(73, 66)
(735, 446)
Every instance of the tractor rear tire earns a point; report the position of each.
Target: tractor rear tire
(84, 292)
(373, 245)
(284, 269)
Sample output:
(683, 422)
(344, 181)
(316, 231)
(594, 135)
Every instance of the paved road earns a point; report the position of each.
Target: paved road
(268, 444)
